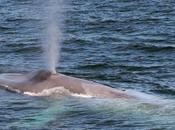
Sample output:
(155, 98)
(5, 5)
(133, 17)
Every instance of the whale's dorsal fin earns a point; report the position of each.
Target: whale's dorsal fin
(40, 75)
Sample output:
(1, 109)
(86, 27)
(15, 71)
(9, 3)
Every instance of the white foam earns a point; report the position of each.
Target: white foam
(81, 95)
(50, 92)
(57, 92)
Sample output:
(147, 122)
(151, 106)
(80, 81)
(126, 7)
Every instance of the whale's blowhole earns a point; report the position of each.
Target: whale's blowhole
(41, 75)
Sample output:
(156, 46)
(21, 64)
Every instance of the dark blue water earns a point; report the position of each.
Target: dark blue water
(121, 43)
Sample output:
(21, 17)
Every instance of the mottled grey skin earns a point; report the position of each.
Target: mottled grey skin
(36, 82)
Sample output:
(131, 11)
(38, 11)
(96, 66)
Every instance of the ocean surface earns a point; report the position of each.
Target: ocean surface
(120, 43)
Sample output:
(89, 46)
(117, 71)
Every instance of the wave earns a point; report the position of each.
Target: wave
(21, 19)
(21, 48)
(28, 49)
(164, 90)
(4, 28)
(150, 47)
(94, 66)
(139, 67)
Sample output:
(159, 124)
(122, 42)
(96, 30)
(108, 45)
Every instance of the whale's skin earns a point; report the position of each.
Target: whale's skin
(36, 82)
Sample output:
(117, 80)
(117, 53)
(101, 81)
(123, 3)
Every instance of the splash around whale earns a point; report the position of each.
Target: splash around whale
(44, 83)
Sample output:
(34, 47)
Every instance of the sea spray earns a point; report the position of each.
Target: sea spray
(53, 34)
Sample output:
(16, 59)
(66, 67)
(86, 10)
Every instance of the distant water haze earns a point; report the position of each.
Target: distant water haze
(53, 34)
